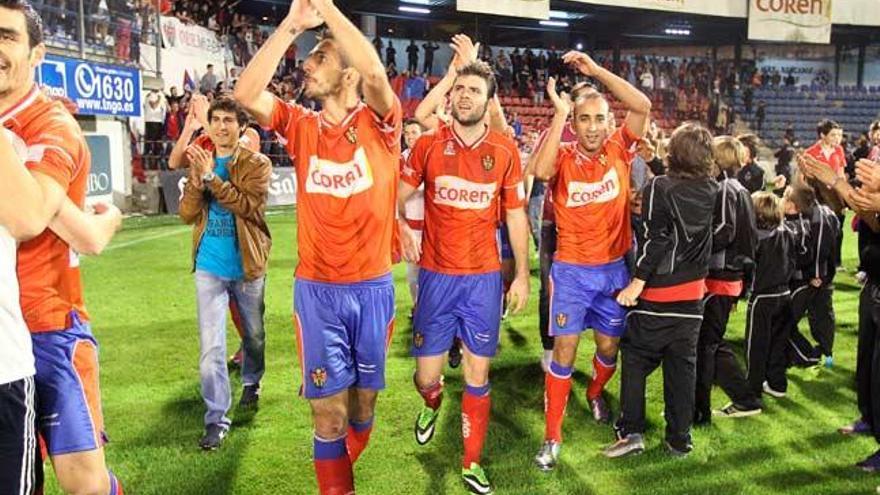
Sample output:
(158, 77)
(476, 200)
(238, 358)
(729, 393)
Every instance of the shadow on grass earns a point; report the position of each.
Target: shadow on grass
(190, 469)
(509, 447)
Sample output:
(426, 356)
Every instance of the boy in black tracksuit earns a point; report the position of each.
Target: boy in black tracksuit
(811, 289)
(667, 291)
(733, 242)
(769, 311)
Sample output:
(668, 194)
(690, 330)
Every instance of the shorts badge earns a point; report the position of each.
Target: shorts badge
(418, 340)
(488, 162)
(319, 377)
(561, 320)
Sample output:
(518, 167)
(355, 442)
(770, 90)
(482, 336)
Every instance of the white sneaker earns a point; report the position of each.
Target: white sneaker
(546, 359)
(774, 393)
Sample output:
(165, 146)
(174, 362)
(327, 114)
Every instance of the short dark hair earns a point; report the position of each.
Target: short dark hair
(31, 17)
(751, 141)
(825, 126)
(482, 70)
(581, 87)
(409, 122)
(691, 152)
(228, 104)
(801, 195)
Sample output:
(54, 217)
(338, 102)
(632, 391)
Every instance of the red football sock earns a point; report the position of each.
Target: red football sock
(358, 438)
(432, 394)
(475, 406)
(333, 467)
(557, 385)
(603, 370)
(115, 485)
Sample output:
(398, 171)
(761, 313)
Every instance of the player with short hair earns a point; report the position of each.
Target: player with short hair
(49, 142)
(470, 172)
(347, 170)
(591, 195)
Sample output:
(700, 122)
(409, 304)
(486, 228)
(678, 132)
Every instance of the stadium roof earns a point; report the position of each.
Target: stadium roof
(595, 26)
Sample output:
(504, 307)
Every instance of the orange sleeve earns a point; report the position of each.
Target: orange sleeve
(391, 125)
(283, 113)
(513, 194)
(53, 155)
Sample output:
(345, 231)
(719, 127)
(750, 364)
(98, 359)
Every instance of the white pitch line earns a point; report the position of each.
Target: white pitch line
(134, 242)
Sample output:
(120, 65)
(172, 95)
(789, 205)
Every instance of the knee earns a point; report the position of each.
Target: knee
(476, 372)
(331, 425)
(607, 348)
(85, 482)
(564, 350)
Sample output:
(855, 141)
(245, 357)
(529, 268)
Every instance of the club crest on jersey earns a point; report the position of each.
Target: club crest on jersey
(351, 135)
(603, 191)
(418, 340)
(451, 190)
(488, 162)
(450, 149)
(603, 160)
(340, 180)
(319, 377)
(561, 320)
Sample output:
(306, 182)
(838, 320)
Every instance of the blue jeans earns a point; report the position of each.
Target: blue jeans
(212, 295)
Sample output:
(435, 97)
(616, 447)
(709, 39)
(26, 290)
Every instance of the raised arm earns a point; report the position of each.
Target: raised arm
(424, 113)
(358, 50)
(545, 156)
(464, 52)
(178, 158)
(637, 104)
(251, 90)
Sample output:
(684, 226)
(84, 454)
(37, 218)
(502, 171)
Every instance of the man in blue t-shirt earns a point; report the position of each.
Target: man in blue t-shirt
(225, 199)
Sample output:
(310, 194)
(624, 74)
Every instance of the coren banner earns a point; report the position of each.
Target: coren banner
(798, 21)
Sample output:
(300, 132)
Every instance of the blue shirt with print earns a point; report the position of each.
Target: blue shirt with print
(219, 253)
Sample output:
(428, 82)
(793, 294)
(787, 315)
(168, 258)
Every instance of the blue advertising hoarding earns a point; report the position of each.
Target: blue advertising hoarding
(96, 89)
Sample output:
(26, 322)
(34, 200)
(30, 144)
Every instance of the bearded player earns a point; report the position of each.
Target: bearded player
(591, 195)
(470, 173)
(347, 167)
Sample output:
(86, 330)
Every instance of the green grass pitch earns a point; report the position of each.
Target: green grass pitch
(140, 294)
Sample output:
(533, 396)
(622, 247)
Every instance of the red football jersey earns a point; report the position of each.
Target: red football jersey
(591, 200)
(49, 141)
(836, 160)
(347, 176)
(465, 189)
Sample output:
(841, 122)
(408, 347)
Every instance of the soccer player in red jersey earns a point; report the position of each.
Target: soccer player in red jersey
(591, 199)
(347, 170)
(470, 172)
(48, 141)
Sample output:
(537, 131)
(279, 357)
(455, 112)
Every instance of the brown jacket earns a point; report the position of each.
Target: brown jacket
(245, 195)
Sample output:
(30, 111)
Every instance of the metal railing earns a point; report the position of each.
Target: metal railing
(82, 29)
(153, 155)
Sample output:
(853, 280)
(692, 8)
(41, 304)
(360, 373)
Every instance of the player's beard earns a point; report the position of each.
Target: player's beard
(475, 117)
(321, 92)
